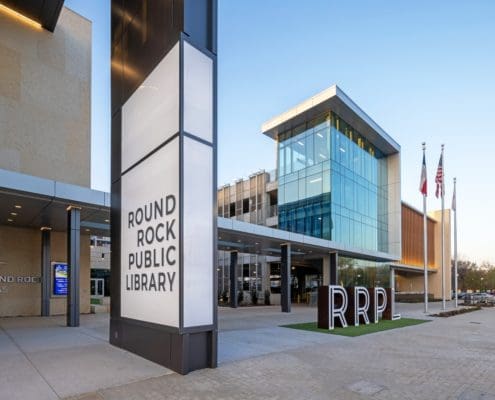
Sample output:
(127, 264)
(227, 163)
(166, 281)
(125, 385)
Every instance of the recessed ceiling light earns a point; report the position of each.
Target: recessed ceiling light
(107, 220)
(87, 230)
(13, 214)
(10, 220)
(18, 206)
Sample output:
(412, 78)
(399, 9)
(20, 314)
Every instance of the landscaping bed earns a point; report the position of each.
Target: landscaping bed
(451, 313)
(353, 331)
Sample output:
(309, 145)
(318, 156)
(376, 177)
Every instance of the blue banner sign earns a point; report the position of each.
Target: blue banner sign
(60, 279)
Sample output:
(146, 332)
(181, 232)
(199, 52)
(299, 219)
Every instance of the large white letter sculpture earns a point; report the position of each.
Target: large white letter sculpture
(337, 312)
(358, 310)
(338, 309)
(379, 307)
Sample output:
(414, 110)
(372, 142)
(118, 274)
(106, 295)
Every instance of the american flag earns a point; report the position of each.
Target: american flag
(439, 178)
(422, 183)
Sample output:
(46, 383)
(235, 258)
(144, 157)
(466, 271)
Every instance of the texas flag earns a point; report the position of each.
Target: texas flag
(422, 183)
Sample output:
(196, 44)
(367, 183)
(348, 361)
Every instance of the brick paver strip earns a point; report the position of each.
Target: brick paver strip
(449, 358)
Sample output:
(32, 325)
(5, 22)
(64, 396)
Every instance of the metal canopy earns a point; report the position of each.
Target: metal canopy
(44, 202)
(32, 202)
(46, 12)
(411, 268)
(257, 239)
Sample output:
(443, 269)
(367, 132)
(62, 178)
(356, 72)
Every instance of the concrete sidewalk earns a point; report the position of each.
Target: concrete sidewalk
(42, 359)
(447, 358)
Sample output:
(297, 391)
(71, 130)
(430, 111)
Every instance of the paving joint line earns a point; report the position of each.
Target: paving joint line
(29, 360)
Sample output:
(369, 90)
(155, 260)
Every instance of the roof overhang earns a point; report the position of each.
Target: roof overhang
(38, 202)
(250, 238)
(411, 268)
(336, 100)
(45, 12)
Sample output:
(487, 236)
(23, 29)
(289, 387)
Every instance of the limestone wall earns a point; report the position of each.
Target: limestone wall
(45, 81)
(20, 256)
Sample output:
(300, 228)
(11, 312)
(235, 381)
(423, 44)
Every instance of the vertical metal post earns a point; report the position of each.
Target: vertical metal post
(443, 230)
(425, 255)
(233, 279)
(45, 271)
(285, 277)
(425, 240)
(454, 208)
(73, 264)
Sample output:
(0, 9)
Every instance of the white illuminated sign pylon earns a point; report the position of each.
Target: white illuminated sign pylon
(168, 191)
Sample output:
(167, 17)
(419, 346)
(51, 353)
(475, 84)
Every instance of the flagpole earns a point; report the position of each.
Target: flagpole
(442, 192)
(425, 243)
(455, 242)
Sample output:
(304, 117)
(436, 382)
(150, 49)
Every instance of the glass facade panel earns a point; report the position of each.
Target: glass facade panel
(354, 272)
(333, 184)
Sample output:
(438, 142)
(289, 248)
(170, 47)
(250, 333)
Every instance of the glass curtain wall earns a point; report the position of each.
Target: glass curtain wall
(354, 272)
(249, 273)
(333, 184)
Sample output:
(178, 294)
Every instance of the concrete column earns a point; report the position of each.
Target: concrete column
(334, 266)
(392, 278)
(45, 271)
(285, 264)
(330, 267)
(265, 276)
(325, 266)
(233, 279)
(73, 264)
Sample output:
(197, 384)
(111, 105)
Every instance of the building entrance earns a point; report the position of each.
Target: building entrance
(97, 287)
(304, 284)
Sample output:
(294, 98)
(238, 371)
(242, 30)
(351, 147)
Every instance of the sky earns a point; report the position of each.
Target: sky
(423, 70)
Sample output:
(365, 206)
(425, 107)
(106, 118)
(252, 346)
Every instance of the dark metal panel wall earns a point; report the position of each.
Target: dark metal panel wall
(143, 32)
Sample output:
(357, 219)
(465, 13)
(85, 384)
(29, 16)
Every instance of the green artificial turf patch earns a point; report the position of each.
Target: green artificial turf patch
(383, 325)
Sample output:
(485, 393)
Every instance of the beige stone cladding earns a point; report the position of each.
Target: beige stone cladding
(45, 81)
(435, 280)
(20, 256)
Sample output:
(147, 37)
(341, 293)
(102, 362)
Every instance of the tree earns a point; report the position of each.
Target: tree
(474, 277)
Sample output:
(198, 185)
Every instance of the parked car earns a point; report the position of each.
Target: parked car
(479, 298)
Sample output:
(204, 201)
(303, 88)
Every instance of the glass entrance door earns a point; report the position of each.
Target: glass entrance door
(97, 287)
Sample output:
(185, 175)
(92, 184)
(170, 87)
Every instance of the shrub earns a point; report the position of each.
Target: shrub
(240, 296)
